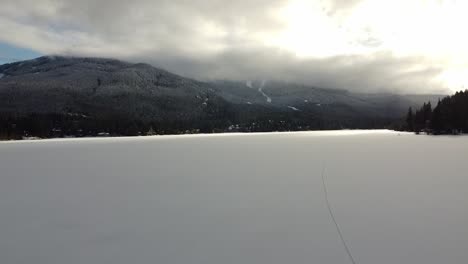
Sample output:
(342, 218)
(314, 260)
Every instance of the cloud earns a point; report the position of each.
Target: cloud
(379, 72)
(341, 6)
(317, 42)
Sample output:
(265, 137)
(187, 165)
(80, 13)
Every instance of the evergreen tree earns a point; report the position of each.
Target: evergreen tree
(449, 116)
(410, 120)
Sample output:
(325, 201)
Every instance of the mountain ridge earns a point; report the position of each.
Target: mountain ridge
(142, 96)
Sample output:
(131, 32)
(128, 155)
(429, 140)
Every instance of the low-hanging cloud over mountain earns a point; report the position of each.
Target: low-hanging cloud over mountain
(360, 45)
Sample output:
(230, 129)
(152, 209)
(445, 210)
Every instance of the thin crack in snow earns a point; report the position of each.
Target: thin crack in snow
(348, 251)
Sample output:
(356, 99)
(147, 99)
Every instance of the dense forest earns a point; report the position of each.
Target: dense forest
(15, 126)
(450, 116)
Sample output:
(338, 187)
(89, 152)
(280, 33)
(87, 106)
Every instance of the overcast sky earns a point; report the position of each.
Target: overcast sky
(408, 46)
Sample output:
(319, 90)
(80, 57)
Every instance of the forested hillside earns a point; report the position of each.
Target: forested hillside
(450, 116)
(67, 96)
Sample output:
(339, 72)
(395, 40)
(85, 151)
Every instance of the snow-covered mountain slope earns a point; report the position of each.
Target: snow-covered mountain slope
(107, 88)
(282, 95)
(260, 90)
(91, 85)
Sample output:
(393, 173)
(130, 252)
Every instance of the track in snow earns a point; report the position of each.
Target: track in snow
(338, 229)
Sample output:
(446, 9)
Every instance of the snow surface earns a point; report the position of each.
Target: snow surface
(249, 84)
(260, 90)
(234, 198)
(1, 75)
(293, 108)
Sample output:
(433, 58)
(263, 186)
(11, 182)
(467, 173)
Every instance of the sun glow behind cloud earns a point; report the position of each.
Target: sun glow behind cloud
(309, 31)
(432, 29)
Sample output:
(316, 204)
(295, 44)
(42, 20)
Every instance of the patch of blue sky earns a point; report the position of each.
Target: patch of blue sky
(11, 53)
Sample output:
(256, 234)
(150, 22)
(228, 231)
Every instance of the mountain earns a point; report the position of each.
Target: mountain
(297, 97)
(57, 96)
(98, 87)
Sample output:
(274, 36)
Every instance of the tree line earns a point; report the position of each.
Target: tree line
(450, 116)
(55, 125)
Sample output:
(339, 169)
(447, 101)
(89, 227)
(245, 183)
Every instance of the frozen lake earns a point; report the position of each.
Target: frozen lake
(236, 199)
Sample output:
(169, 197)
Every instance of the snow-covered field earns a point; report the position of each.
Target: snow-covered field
(236, 199)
